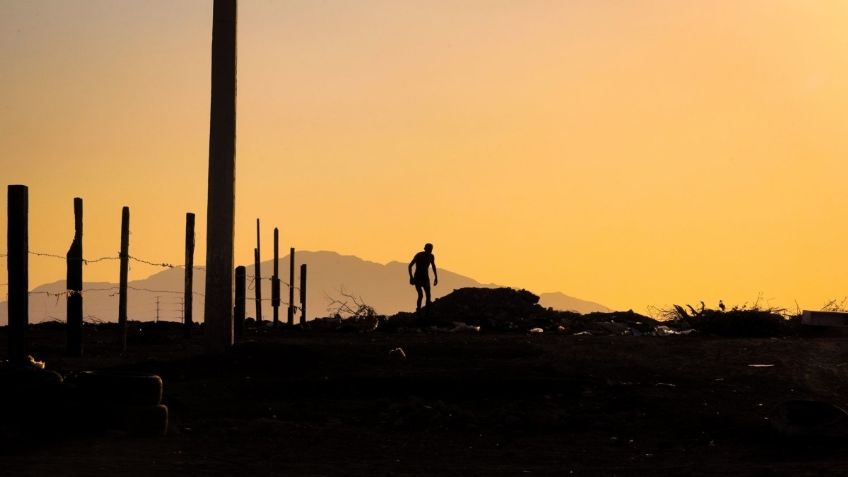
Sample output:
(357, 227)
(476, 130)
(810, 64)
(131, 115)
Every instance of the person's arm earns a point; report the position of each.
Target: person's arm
(435, 273)
(410, 269)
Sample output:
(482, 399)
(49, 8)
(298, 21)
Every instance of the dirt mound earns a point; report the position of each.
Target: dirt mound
(493, 309)
(469, 304)
(511, 310)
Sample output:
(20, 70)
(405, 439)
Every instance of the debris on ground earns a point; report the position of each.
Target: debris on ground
(459, 327)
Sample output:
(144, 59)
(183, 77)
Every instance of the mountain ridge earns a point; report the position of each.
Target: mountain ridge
(332, 275)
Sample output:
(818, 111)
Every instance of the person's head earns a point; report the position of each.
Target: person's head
(428, 247)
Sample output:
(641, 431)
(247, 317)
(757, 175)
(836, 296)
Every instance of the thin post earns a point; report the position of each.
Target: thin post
(17, 263)
(74, 285)
(122, 290)
(291, 287)
(188, 294)
(220, 209)
(257, 286)
(240, 300)
(256, 291)
(275, 279)
(303, 294)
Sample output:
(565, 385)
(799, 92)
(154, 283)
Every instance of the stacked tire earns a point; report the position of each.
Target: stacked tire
(130, 402)
(30, 402)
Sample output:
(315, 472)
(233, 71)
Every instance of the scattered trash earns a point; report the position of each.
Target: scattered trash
(583, 333)
(397, 353)
(535, 331)
(663, 330)
(459, 327)
(35, 363)
(760, 365)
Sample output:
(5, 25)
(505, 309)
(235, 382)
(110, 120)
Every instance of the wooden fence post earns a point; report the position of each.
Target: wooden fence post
(241, 300)
(256, 292)
(122, 290)
(303, 294)
(291, 287)
(74, 285)
(257, 285)
(17, 245)
(189, 275)
(220, 209)
(275, 279)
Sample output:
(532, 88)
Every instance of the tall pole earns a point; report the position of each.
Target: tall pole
(17, 245)
(303, 294)
(188, 295)
(218, 310)
(275, 279)
(241, 302)
(74, 285)
(291, 287)
(258, 273)
(122, 286)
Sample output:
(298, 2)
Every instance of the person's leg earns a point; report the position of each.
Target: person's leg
(420, 295)
(427, 292)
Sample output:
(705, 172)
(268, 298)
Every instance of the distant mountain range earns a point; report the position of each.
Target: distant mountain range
(330, 277)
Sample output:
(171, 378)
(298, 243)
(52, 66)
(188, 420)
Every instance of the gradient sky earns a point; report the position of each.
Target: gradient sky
(632, 153)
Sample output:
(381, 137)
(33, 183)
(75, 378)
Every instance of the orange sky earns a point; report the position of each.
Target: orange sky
(632, 153)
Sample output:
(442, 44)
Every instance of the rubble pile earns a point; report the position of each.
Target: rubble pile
(511, 310)
(473, 310)
(617, 323)
(493, 309)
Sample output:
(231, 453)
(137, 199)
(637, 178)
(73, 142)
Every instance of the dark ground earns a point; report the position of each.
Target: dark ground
(330, 403)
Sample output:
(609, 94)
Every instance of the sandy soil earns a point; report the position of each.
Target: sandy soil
(289, 403)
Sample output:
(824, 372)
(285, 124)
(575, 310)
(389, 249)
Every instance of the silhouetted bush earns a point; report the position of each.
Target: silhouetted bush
(752, 322)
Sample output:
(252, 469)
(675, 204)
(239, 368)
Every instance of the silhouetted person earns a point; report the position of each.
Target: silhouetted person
(421, 278)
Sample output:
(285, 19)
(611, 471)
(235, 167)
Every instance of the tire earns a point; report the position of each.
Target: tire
(120, 390)
(30, 402)
(147, 421)
(29, 386)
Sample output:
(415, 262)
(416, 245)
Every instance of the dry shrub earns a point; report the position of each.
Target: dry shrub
(741, 321)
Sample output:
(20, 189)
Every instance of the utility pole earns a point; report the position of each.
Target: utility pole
(220, 210)
(157, 310)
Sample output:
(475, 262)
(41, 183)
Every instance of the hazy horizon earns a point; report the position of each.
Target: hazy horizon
(634, 154)
(381, 286)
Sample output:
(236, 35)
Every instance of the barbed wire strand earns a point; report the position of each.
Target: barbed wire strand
(115, 290)
(112, 258)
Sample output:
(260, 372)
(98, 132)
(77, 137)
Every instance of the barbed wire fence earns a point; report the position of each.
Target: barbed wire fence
(115, 290)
